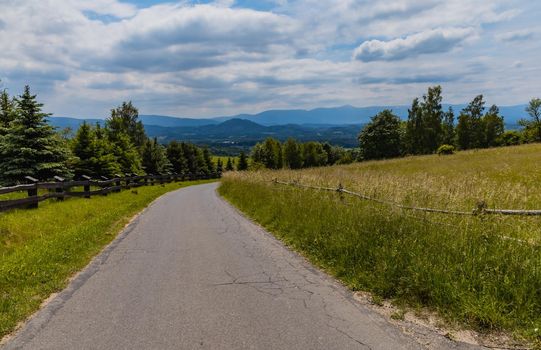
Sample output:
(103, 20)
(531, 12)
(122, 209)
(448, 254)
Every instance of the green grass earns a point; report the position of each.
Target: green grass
(41, 248)
(465, 268)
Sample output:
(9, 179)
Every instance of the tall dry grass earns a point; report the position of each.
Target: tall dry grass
(483, 271)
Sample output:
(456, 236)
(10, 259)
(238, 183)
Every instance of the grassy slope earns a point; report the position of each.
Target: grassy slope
(40, 249)
(464, 267)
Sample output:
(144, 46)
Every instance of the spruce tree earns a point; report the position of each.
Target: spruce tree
(243, 162)
(7, 111)
(210, 168)
(219, 166)
(176, 157)
(94, 155)
(154, 158)
(125, 120)
(229, 165)
(31, 147)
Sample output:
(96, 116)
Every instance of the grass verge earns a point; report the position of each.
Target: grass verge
(465, 268)
(41, 248)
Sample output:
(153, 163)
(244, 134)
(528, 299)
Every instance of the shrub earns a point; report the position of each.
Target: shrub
(446, 149)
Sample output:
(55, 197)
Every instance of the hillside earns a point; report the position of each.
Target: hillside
(479, 270)
(334, 116)
(240, 132)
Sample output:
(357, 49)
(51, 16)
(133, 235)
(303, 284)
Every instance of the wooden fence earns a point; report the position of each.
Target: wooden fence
(61, 189)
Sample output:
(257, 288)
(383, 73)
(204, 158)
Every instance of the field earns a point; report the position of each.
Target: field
(482, 271)
(41, 248)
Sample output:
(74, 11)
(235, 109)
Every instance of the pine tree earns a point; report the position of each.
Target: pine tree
(243, 162)
(94, 156)
(219, 166)
(31, 147)
(7, 112)
(229, 165)
(210, 168)
(154, 158)
(125, 120)
(127, 135)
(176, 157)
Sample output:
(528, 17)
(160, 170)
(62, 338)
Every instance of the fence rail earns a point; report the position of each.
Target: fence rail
(481, 207)
(61, 189)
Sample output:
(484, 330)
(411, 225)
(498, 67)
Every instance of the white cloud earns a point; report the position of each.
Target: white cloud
(428, 42)
(84, 57)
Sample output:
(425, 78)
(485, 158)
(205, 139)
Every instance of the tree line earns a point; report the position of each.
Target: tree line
(273, 154)
(429, 129)
(29, 146)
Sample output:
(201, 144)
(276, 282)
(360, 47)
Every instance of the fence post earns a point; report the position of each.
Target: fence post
(105, 191)
(118, 182)
(60, 188)
(33, 192)
(86, 188)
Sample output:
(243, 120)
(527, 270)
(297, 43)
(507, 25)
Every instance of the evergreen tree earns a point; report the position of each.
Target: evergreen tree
(243, 162)
(229, 165)
(210, 168)
(127, 135)
(154, 158)
(125, 120)
(219, 166)
(381, 137)
(125, 152)
(94, 156)
(31, 147)
(176, 157)
(7, 112)
(292, 154)
(201, 164)
(494, 127)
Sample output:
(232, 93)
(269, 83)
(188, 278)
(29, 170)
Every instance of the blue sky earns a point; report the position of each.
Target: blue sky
(213, 58)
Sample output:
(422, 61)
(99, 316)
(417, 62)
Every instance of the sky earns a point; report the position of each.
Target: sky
(224, 57)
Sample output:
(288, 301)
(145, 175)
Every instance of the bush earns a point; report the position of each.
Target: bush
(511, 138)
(445, 149)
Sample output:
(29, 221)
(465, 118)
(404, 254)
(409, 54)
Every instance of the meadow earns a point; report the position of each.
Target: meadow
(41, 248)
(478, 271)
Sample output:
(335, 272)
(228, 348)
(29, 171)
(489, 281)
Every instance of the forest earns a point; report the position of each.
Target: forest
(29, 146)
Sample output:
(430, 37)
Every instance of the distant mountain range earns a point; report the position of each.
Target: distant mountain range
(326, 116)
(339, 126)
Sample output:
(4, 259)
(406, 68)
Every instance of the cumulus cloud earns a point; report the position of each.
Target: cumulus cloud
(428, 42)
(187, 58)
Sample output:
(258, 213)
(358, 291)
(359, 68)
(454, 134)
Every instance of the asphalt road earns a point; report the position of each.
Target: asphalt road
(192, 273)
